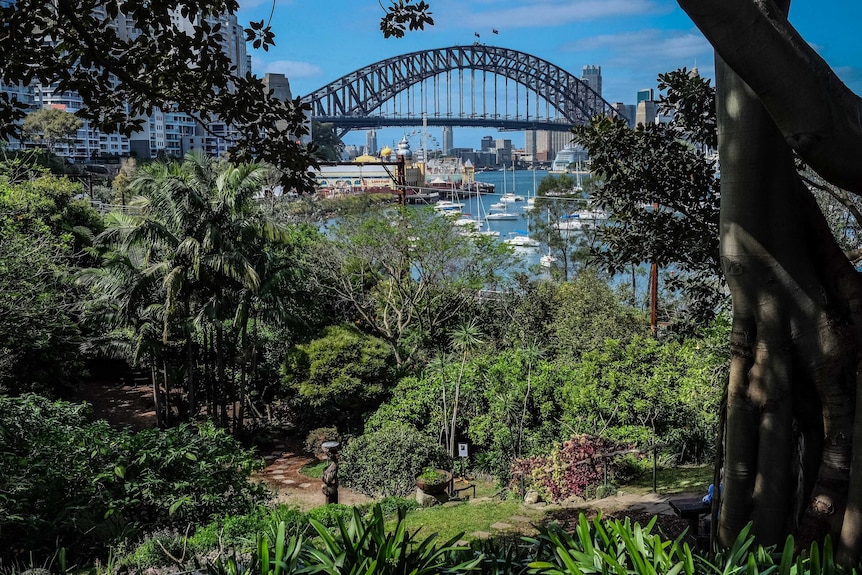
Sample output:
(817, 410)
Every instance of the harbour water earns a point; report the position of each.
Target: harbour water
(521, 183)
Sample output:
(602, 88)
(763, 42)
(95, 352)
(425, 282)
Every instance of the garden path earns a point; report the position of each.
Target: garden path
(132, 406)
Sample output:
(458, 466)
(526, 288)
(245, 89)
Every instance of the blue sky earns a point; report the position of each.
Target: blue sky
(318, 41)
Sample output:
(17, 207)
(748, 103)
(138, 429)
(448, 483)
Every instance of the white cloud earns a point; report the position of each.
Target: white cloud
(291, 68)
(653, 46)
(249, 4)
(542, 13)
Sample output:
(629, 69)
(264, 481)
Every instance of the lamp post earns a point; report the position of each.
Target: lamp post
(330, 474)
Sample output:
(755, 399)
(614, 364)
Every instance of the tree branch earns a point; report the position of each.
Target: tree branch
(816, 113)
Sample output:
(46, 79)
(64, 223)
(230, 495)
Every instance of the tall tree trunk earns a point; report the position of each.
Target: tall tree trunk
(190, 375)
(167, 392)
(797, 300)
(794, 359)
(157, 397)
(221, 380)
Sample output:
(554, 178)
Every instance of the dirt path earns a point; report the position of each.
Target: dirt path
(283, 474)
(132, 406)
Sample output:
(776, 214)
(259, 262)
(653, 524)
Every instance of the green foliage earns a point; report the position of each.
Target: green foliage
(70, 483)
(645, 391)
(329, 145)
(586, 313)
(198, 285)
(406, 275)
(331, 514)
(658, 183)
(316, 437)
(50, 126)
(340, 375)
(387, 461)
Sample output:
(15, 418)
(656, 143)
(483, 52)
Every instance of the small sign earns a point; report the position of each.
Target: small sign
(462, 450)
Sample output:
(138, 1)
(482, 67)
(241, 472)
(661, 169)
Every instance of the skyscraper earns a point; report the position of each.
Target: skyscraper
(279, 85)
(448, 140)
(592, 77)
(371, 142)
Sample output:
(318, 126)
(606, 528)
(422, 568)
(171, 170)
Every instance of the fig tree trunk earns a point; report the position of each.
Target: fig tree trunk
(792, 444)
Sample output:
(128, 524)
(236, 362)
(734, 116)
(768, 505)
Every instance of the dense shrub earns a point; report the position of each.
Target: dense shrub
(647, 391)
(387, 461)
(68, 482)
(340, 376)
(575, 468)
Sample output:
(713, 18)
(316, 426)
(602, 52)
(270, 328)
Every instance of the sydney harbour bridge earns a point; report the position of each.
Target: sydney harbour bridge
(478, 85)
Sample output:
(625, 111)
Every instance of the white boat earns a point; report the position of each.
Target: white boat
(467, 222)
(520, 240)
(501, 216)
(448, 206)
(510, 198)
(498, 206)
(581, 218)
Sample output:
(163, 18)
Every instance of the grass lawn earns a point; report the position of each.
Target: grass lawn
(469, 518)
(315, 470)
(686, 478)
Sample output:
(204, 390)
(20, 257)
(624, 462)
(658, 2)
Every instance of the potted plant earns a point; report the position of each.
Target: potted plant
(433, 481)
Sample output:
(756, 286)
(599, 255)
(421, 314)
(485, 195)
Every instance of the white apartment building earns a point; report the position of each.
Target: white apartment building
(166, 132)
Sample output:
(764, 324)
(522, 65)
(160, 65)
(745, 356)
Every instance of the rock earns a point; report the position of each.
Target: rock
(425, 499)
(532, 497)
(304, 485)
(481, 534)
(573, 501)
(519, 519)
(500, 525)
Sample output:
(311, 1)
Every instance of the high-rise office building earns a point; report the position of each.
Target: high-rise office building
(592, 77)
(279, 84)
(448, 140)
(646, 112)
(371, 142)
(645, 94)
(487, 143)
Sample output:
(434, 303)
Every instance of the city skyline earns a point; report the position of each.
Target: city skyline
(632, 40)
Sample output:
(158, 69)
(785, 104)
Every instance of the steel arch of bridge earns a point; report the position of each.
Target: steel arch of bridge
(349, 102)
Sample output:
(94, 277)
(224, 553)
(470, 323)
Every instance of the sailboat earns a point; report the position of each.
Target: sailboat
(531, 200)
(548, 260)
(510, 197)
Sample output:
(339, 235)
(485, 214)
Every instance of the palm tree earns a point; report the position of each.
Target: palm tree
(198, 247)
(465, 338)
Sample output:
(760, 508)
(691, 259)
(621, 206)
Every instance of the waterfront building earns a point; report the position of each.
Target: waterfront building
(88, 142)
(23, 94)
(164, 132)
(645, 94)
(629, 111)
(646, 112)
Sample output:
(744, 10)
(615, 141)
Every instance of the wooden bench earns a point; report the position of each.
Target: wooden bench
(691, 509)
